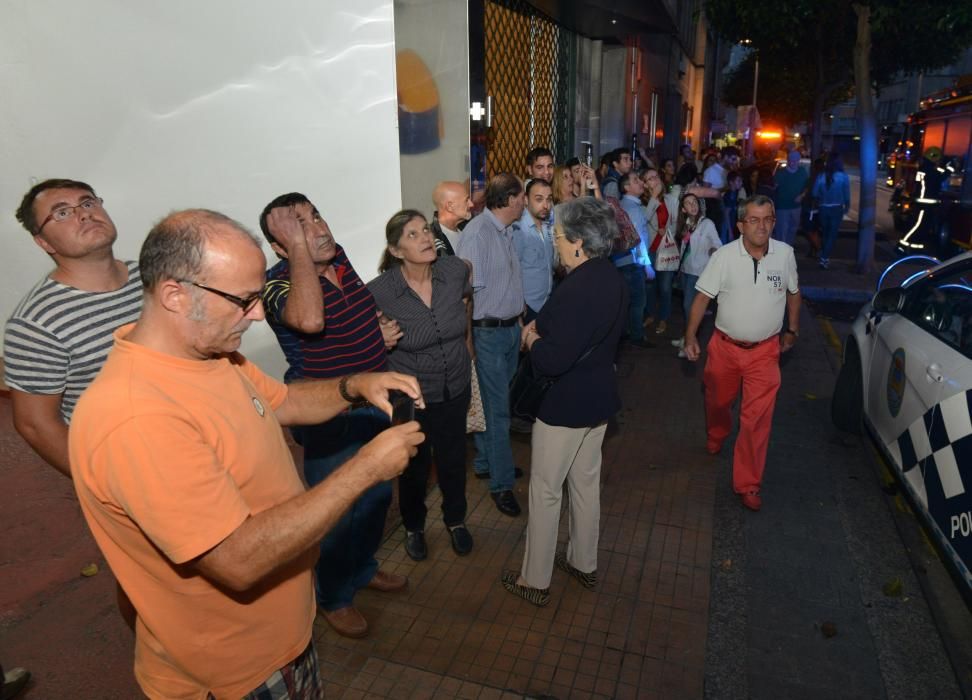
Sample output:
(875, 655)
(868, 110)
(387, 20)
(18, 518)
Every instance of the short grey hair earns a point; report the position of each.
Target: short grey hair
(175, 248)
(757, 200)
(590, 221)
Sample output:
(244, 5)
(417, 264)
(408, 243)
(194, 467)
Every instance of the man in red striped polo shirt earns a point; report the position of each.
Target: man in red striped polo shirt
(327, 324)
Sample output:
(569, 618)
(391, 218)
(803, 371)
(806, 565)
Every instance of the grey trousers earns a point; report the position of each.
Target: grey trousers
(558, 455)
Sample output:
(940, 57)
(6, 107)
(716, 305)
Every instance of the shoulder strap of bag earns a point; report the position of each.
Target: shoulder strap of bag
(595, 346)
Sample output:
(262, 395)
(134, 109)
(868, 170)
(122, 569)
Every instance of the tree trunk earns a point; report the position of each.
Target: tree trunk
(867, 124)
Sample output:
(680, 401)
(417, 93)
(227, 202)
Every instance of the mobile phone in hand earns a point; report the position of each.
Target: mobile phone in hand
(403, 407)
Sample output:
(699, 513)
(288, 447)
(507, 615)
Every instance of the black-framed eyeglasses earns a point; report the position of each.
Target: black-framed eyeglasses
(246, 304)
(63, 213)
(754, 221)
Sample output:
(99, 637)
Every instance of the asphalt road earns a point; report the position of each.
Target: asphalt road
(883, 221)
(949, 610)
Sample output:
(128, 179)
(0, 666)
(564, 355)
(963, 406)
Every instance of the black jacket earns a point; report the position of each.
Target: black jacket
(442, 245)
(589, 305)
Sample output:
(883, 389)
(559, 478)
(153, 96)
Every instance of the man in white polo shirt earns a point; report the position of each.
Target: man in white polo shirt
(755, 279)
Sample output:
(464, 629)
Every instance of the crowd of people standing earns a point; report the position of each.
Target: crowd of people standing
(173, 438)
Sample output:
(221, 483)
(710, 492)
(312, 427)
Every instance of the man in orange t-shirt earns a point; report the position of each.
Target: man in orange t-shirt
(188, 486)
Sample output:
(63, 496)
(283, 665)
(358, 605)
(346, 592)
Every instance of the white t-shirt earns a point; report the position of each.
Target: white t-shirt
(703, 239)
(451, 236)
(752, 294)
(715, 175)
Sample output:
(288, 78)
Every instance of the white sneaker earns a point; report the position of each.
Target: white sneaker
(681, 353)
(678, 343)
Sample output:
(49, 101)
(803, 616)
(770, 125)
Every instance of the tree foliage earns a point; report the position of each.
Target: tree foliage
(808, 45)
(863, 43)
(785, 99)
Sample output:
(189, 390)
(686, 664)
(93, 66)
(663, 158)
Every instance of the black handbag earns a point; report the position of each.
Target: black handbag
(527, 388)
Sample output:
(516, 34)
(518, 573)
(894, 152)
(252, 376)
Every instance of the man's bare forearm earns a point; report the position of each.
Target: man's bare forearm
(311, 402)
(304, 310)
(793, 302)
(37, 417)
(277, 537)
(696, 314)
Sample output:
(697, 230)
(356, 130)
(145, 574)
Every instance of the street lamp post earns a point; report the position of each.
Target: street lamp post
(750, 150)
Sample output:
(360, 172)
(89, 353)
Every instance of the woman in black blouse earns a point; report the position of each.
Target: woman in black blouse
(427, 295)
(574, 339)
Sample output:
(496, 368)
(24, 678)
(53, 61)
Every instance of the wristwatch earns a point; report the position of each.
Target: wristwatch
(343, 389)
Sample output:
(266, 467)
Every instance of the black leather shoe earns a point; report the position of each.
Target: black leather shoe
(517, 474)
(462, 541)
(415, 545)
(506, 503)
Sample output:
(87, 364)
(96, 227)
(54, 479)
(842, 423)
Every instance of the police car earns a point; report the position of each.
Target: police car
(906, 377)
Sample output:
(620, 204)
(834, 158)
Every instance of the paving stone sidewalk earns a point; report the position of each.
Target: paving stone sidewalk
(696, 597)
(641, 633)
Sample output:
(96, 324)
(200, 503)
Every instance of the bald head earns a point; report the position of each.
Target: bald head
(452, 203)
(203, 275)
(175, 248)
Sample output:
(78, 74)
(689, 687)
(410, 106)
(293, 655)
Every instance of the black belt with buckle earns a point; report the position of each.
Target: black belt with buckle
(495, 322)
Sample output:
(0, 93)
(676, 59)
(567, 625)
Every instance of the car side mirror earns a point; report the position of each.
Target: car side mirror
(889, 301)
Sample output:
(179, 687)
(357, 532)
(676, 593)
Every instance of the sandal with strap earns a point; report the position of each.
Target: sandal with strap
(586, 580)
(535, 596)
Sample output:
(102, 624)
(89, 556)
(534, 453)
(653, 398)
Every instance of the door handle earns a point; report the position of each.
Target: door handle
(934, 373)
(489, 111)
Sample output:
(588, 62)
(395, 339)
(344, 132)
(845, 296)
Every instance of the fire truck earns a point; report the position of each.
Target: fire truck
(932, 195)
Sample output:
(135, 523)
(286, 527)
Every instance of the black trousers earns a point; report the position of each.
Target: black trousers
(444, 425)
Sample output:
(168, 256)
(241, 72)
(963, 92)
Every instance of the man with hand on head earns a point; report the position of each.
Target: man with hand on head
(328, 326)
(188, 485)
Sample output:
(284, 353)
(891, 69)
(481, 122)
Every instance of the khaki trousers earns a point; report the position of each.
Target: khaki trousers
(572, 455)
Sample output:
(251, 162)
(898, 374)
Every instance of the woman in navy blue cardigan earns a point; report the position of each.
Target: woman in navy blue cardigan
(574, 339)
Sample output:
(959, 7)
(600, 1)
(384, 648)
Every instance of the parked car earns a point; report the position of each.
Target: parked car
(906, 378)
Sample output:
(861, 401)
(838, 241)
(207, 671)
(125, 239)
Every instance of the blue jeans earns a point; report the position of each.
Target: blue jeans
(830, 218)
(497, 353)
(688, 293)
(660, 295)
(634, 277)
(347, 560)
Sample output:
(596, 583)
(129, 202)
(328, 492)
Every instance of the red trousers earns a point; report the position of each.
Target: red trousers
(757, 370)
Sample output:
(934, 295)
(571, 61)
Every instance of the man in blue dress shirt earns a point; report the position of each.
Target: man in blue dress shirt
(534, 246)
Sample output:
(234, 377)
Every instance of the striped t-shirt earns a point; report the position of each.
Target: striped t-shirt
(351, 340)
(58, 337)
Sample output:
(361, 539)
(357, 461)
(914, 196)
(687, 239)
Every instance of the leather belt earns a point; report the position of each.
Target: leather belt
(495, 322)
(742, 343)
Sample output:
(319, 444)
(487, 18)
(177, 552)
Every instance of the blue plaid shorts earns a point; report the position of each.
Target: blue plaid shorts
(298, 680)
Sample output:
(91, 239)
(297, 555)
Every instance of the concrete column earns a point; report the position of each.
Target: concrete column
(594, 120)
(611, 127)
(582, 96)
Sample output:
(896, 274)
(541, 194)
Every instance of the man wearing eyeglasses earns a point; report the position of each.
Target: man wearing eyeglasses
(59, 335)
(755, 280)
(189, 487)
(328, 326)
